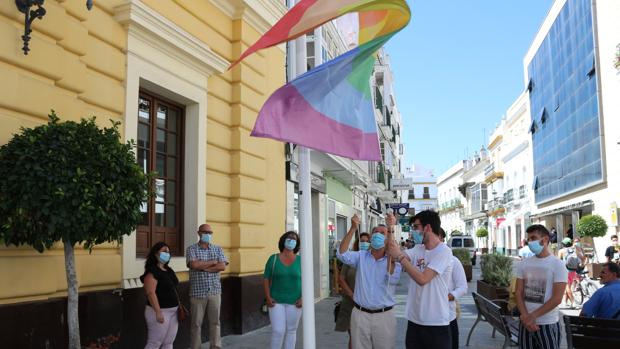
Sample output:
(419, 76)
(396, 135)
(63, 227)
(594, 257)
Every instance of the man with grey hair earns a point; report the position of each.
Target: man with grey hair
(373, 321)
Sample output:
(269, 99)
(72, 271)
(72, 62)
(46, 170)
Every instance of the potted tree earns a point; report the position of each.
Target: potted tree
(463, 255)
(592, 226)
(69, 182)
(483, 233)
(496, 275)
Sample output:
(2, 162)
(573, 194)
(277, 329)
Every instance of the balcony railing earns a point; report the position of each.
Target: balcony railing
(509, 196)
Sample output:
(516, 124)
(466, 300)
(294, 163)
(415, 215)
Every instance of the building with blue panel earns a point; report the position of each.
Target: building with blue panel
(574, 94)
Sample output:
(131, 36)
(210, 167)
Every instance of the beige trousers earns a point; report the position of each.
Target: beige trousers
(373, 331)
(198, 307)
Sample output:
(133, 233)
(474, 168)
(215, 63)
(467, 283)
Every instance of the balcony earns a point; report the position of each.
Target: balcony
(450, 205)
(509, 196)
(490, 175)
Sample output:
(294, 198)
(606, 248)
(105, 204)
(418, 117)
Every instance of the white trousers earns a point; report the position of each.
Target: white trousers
(284, 321)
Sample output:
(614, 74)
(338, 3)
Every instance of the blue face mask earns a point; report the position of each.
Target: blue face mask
(377, 241)
(290, 244)
(364, 246)
(206, 238)
(418, 237)
(164, 257)
(536, 247)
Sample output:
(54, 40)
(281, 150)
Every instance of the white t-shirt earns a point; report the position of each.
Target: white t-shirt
(539, 275)
(428, 305)
(458, 285)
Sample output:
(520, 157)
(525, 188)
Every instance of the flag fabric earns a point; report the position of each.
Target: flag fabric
(330, 108)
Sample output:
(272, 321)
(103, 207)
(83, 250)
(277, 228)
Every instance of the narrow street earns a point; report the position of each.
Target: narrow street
(326, 337)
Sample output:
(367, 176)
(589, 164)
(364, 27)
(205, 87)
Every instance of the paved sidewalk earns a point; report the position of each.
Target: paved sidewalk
(326, 337)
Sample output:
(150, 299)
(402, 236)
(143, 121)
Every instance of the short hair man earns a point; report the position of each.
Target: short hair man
(605, 302)
(205, 261)
(456, 289)
(373, 321)
(541, 281)
(525, 252)
(429, 264)
(613, 252)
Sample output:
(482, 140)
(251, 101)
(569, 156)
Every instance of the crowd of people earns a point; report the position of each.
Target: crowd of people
(372, 266)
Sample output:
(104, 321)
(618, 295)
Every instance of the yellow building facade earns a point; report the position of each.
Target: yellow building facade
(107, 62)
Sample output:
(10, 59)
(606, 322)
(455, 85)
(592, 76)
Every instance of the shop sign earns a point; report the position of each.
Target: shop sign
(401, 208)
(401, 183)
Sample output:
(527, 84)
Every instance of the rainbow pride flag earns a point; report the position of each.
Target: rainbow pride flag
(330, 108)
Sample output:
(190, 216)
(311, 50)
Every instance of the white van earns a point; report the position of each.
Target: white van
(464, 241)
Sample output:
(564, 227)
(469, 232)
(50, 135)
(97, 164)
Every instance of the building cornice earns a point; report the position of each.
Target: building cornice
(160, 32)
(260, 14)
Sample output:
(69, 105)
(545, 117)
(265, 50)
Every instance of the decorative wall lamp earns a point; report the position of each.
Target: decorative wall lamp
(24, 6)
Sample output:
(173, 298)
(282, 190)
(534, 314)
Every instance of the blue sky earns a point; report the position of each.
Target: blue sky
(458, 66)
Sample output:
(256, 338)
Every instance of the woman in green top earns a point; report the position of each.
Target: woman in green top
(282, 284)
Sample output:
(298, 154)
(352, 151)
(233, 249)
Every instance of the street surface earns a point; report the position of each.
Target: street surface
(326, 337)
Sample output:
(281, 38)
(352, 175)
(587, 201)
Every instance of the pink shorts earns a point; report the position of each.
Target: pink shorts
(572, 275)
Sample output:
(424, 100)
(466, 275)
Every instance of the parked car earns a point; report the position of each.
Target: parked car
(464, 241)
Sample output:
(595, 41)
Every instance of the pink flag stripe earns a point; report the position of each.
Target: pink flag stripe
(288, 117)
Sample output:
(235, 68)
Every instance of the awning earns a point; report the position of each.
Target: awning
(463, 187)
(563, 209)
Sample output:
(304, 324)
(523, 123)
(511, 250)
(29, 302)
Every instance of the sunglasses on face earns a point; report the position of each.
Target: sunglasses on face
(205, 232)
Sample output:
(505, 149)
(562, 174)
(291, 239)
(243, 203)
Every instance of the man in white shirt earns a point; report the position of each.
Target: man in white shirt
(456, 289)
(525, 252)
(541, 281)
(429, 264)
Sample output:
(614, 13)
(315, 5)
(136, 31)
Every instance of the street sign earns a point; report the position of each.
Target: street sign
(401, 183)
(401, 208)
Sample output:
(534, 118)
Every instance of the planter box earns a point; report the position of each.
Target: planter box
(492, 292)
(594, 270)
(468, 272)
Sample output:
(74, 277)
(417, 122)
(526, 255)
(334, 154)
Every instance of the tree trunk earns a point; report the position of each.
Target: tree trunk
(72, 299)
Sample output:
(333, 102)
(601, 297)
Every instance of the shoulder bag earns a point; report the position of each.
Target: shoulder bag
(264, 308)
(182, 311)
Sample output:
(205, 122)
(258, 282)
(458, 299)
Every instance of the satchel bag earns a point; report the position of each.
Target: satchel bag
(182, 312)
(264, 308)
(336, 311)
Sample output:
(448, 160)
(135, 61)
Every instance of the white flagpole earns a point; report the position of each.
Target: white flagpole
(305, 213)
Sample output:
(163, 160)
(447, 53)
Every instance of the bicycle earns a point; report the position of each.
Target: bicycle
(583, 287)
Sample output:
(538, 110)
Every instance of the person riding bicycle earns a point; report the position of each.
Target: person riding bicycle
(574, 260)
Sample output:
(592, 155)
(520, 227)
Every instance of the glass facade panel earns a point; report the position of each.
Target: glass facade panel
(564, 103)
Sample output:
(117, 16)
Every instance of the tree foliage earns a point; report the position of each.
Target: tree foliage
(463, 255)
(496, 269)
(482, 233)
(592, 226)
(71, 182)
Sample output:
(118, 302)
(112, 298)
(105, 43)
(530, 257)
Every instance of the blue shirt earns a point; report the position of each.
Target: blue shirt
(605, 302)
(374, 286)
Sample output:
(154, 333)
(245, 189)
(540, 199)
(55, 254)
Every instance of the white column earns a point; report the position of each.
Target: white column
(305, 215)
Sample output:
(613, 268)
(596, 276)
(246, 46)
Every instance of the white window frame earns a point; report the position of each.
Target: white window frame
(166, 60)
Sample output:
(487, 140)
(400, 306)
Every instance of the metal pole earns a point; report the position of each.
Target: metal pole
(305, 215)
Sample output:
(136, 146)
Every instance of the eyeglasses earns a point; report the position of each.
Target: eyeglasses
(205, 232)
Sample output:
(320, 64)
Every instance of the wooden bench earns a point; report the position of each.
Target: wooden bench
(491, 312)
(591, 333)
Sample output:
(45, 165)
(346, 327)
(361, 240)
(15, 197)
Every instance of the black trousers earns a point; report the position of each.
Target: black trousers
(454, 332)
(432, 337)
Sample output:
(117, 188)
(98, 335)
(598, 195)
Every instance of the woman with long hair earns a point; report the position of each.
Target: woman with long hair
(162, 301)
(282, 285)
